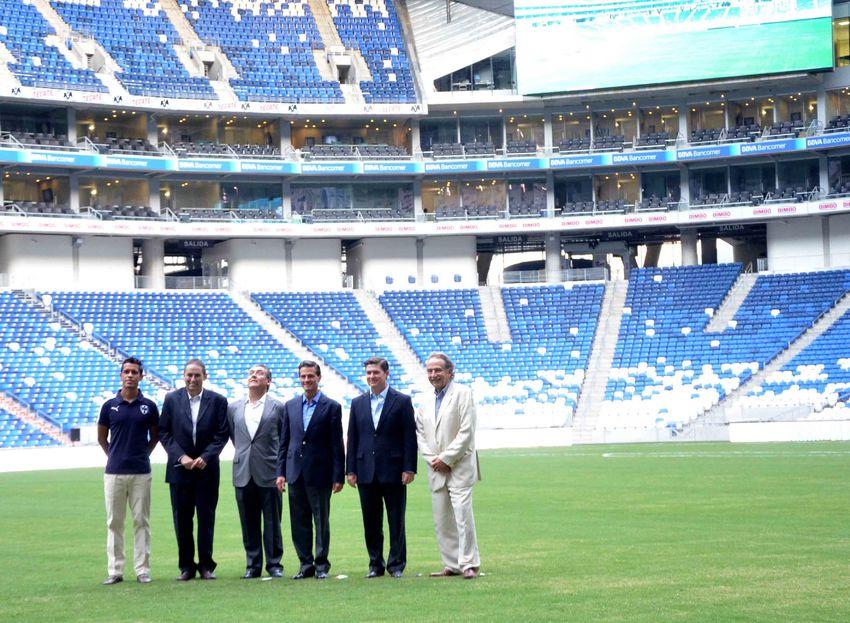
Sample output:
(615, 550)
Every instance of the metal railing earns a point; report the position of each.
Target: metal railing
(597, 273)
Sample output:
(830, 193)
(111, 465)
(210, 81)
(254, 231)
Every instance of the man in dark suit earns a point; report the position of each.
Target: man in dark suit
(381, 462)
(255, 430)
(312, 461)
(193, 430)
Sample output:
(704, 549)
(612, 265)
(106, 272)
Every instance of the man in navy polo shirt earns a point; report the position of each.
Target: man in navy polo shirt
(127, 432)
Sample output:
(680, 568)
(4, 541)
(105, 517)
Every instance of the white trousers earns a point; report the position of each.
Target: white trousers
(455, 527)
(121, 490)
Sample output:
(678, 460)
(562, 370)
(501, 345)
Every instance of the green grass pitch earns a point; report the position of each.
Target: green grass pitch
(676, 532)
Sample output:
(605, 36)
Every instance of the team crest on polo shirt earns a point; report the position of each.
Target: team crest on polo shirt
(143, 409)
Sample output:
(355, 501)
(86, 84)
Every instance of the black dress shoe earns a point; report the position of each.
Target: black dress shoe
(184, 576)
(276, 573)
(396, 574)
(207, 575)
(250, 574)
(321, 575)
(374, 574)
(112, 579)
(308, 573)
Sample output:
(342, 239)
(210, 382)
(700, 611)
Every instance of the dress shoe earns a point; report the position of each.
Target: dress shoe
(250, 574)
(396, 574)
(374, 574)
(276, 572)
(471, 573)
(307, 573)
(184, 576)
(113, 579)
(207, 575)
(143, 578)
(321, 575)
(446, 572)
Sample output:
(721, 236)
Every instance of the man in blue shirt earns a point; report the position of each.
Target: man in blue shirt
(312, 461)
(381, 462)
(127, 432)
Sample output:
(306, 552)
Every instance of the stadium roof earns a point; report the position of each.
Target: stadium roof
(503, 7)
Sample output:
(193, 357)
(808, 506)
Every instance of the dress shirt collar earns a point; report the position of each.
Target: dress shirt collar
(260, 401)
(310, 403)
(198, 397)
(381, 396)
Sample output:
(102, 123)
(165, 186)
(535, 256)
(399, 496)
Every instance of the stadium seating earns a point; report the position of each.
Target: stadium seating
(15, 433)
(141, 39)
(270, 44)
(574, 144)
(817, 376)
(38, 64)
(54, 371)
(373, 28)
(37, 140)
(667, 368)
(165, 329)
(533, 380)
(333, 325)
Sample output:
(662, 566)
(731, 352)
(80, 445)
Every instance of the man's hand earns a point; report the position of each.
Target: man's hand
(337, 487)
(199, 463)
(187, 462)
(352, 479)
(280, 483)
(438, 465)
(407, 477)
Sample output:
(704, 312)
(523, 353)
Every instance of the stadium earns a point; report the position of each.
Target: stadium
(627, 223)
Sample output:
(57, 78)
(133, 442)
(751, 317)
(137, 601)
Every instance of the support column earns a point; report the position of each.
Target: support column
(550, 194)
(287, 259)
(547, 133)
(74, 192)
(822, 112)
(415, 137)
(286, 200)
(709, 249)
(2, 198)
(153, 132)
(653, 252)
(684, 126)
(285, 136)
(76, 243)
(418, 213)
(153, 263)
(825, 241)
(153, 196)
(689, 247)
(420, 262)
(71, 116)
(553, 257)
(823, 175)
(684, 186)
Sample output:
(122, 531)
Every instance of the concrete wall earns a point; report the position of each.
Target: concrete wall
(447, 258)
(839, 240)
(384, 264)
(105, 263)
(316, 265)
(37, 261)
(796, 244)
(254, 265)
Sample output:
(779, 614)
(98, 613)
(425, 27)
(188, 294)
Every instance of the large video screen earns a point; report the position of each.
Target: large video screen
(581, 45)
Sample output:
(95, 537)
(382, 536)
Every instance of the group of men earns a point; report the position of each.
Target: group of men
(297, 447)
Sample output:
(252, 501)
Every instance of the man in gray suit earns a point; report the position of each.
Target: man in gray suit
(255, 431)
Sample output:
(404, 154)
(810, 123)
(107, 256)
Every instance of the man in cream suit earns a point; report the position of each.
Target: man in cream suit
(445, 431)
(255, 431)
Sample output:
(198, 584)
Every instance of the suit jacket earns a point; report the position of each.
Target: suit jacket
(450, 436)
(381, 454)
(317, 454)
(255, 457)
(175, 426)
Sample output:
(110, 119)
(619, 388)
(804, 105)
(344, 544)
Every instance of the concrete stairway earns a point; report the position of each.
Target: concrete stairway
(81, 46)
(493, 310)
(191, 41)
(32, 418)
(599, 363)
(732, 303)
(413, 371)
(730, 405)
(7, 77)
(333, 383)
